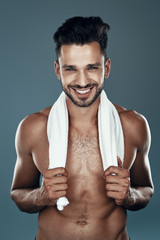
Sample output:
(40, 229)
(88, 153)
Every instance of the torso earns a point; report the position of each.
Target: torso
(90, 214)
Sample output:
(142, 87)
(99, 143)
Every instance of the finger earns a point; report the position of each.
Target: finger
(55, 195)
(116, 195)
(121, 172)
(60, 187)
(56, 187)
(116, 188)
(119, 162)
(55, 180)
(60, 179)
(50, 173)
(111, 179)
(60, 194)
(119, 202)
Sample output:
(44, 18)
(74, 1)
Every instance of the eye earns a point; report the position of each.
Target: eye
(69, 69)
(92, 68)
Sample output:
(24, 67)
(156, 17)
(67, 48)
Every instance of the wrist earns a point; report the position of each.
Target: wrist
(39, 199)
(129, 201)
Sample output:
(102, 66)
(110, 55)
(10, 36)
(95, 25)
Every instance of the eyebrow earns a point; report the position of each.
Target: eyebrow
(94, 65)
(68, 66)
(88, 65)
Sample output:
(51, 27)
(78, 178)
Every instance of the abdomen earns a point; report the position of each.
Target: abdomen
(82, 221)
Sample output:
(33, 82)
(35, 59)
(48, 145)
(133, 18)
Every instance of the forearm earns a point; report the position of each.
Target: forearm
(138, 198)
(28, 200)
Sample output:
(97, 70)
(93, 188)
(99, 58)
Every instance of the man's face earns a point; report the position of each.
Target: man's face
(82, 70)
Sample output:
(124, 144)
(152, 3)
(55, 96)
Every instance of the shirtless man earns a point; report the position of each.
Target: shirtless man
(98, 199)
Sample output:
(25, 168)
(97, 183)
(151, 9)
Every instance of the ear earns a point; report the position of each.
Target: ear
(57, 69)
(107, 68)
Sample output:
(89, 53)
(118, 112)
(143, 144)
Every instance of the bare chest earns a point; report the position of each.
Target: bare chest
(84, 167)
(84, 155)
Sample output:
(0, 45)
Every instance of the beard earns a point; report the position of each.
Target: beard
(83, 101)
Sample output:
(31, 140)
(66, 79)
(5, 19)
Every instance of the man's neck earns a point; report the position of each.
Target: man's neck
(83, 118)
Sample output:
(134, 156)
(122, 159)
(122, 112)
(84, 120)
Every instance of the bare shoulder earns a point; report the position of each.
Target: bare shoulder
(35, 121)
(31, 128)
(135, 125)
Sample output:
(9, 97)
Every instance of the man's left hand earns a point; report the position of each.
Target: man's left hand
(118, 183)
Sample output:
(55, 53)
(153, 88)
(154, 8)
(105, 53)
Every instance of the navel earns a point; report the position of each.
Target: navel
(82, 222)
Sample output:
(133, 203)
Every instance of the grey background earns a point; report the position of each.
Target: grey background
(28, 84)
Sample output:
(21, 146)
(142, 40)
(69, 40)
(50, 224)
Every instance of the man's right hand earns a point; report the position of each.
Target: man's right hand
(54, 185)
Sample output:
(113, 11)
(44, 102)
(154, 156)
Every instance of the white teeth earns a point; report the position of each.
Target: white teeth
(83, 92)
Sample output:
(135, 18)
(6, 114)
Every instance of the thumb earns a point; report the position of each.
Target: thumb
(119, 162)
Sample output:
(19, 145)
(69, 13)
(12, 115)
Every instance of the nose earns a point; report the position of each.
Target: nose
(82, 78)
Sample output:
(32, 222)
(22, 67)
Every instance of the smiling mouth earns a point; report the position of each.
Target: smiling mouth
(83, 91)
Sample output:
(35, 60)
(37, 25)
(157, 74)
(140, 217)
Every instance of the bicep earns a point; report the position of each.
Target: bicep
(140, 172)
(26, 175)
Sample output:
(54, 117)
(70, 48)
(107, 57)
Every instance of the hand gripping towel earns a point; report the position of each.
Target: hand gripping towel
(111, 139)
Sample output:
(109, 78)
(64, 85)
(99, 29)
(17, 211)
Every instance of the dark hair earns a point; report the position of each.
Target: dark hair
(82, 30)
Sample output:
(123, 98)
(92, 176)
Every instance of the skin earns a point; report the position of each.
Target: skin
(98, 199)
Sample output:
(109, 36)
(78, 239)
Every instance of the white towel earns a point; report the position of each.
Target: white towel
(111, 139)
